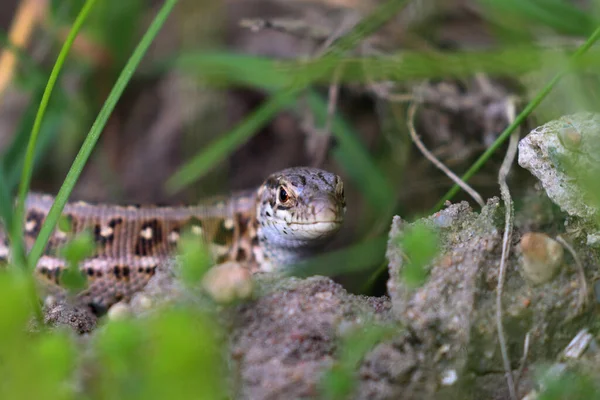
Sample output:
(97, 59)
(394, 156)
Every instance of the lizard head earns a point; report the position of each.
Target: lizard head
(299, 209)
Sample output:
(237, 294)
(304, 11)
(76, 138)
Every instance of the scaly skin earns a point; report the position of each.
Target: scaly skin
(291, 216)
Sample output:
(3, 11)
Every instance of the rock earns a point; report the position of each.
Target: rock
(163, 288)
(79, 318)
(285, 340)
(559, 154)
(542, 257)
(452, 316)
(119, 312)
(447, 313)
(228, 282)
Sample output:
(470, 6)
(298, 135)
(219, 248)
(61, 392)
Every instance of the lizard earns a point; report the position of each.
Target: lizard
(291, 216)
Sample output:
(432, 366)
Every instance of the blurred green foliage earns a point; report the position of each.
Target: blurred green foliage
(338, 382)
(569, 385)
(195, 258)
(175, 354)
(34, 364)
(75, 251)
(420, 245)
(179, 353)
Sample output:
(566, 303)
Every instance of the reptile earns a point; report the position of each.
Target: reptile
(291, 216)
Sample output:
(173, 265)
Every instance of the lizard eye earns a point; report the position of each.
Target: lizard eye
(283, 195)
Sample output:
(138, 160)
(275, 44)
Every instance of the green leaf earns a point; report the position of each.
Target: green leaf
(572, 385)
(420, 245)
(556, 14)
(337, 383)
(74, 252)
(17, 230)
(160, 357)
(13, 319)
(195, 258)
(340, 380)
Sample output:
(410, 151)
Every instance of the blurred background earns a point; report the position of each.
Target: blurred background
(204, 115)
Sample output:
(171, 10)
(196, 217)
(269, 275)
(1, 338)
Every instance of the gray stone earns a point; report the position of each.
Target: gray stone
(452, 315)
(558, 154)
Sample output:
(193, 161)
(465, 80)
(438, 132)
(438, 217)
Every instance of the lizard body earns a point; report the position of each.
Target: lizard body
(291, 216)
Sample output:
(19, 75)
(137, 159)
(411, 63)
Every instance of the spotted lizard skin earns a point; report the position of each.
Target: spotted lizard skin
(291, 216)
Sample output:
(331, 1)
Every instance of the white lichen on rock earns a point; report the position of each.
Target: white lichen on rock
(559, 153)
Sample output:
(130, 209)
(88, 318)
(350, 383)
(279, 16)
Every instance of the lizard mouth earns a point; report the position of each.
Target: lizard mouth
(330, 221)
(327, 218)
(316, 229)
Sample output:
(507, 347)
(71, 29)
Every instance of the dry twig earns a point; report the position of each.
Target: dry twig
(412, 109)
(319, 138)
(523, 359)
(506, 241)
(583, 292)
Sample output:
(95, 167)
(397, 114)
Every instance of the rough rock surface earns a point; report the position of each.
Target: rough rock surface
(287, 338)
(444, 312)
(558, 152)
(80, 319)
(452, 316)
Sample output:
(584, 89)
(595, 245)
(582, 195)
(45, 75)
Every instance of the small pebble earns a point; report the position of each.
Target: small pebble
(443, 220)
(228, 282)
(119, 312)
(50, 301)
(532, 395)
(142, 301)
(579, 344)
(449, 377)
(542, 257)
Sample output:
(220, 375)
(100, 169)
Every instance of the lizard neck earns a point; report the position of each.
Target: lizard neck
(278, 248)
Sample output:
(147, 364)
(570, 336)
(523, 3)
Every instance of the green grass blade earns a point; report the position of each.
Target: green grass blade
(224, 69)
(329, 61)
(556, 14)
(96, 130)
(355, 159)
(229, 69)
(365, 27)
(222, 147)
(17, 228)
(354, 258)
(5, 199)
(518, 120)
